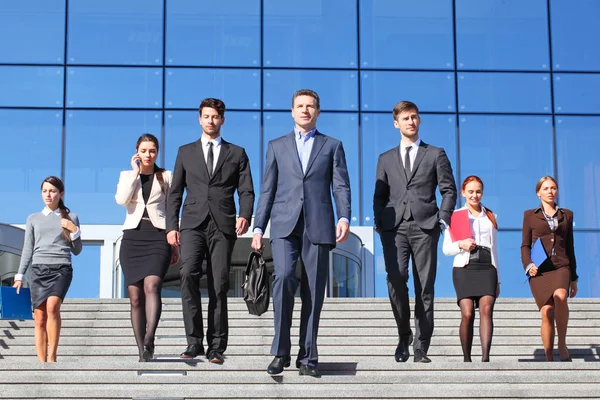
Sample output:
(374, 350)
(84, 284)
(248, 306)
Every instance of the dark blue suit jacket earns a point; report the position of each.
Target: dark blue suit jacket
(286, 190)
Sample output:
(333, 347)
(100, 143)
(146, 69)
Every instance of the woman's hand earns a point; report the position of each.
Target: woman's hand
(69, 225)
(497, 290)
(573, 291)
(467, 244)
(533, 271)
(18, 284)
(136, 161)
(174, 255)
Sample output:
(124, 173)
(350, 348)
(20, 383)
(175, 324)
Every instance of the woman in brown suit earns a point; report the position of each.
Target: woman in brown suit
(556, 278)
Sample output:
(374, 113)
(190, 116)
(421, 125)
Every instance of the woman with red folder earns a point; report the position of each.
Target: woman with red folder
(50, 237)
(555, 278)
(471, 239)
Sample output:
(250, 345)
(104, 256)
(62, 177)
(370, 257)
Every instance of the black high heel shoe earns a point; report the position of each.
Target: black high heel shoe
(148, 353)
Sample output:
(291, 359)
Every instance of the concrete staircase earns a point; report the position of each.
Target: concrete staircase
(357, 339)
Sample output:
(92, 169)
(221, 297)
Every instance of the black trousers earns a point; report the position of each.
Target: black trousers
(407, 241)
(206, 242)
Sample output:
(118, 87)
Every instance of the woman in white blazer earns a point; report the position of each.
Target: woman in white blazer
(475, 272)
(145, 254)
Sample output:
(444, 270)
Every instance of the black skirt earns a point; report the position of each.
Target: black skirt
(476, 279)
(144, 252)
(49, 280)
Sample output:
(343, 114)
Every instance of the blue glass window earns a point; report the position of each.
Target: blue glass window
(31, 151)
(106, 87)
(115, 32)
(504, 92)
(238, 88)
(320, 34)
(341, 126)
(32, 31)
(31, 86)
(510, 154)
(575, 32)
(379, 136)
(508, 34)
(240, 128)
(86, 273)
(577, 93)
(338, 90)
(224, 33)
(381, 90)
(99, 146)
(416, 34)
(577, 144)
(587, 253)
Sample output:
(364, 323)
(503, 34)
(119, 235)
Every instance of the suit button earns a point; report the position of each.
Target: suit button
(404, 203)
(208, 198)
(301, 199)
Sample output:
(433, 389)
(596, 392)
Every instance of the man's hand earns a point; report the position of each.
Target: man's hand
(342, 231)
(173, 238)
(174, 256)
(241, 226)
(257, 243)
(18, 284)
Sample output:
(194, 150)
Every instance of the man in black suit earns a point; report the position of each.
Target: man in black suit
(210, 170)
(409, 222)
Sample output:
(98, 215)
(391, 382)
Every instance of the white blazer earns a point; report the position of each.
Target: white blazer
(129, 194)
(461, 257)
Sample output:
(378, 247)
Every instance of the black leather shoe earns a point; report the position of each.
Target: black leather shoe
(298, 363)
(215, 357)
(192, 351)
(402, 353)
(148, 353)
(421, 357)
(309, 371)
(278, 364)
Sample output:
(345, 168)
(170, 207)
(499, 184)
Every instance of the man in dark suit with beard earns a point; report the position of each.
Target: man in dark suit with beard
(210, 170)
(409, 223)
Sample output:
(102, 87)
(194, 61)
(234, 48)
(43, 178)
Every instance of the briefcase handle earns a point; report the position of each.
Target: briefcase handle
(251, 257)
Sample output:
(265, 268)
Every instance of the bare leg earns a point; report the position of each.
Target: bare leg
(547, 330)
(138, 314)
(467, 307)
(561, 309)
(39, 333)
(486, 325)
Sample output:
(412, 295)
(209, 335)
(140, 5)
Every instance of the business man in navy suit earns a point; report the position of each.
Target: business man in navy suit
(303, 168)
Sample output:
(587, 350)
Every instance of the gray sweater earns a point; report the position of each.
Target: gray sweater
(45, 243)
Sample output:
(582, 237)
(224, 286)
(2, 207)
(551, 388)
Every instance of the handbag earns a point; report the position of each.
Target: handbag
(15, 306)
(257, 285)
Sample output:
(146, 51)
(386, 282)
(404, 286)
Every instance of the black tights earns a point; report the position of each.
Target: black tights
(146, 307)
(486, 326)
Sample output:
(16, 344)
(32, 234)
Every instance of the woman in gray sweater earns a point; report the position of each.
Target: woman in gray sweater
(50, 237)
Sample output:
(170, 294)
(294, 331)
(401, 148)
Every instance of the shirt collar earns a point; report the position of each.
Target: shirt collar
(46, 211)
(540, 208)
(415, 144)
(310, 134)
(216, 141)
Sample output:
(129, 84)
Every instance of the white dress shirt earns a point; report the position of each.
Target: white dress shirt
(412, 155)
(216, 149)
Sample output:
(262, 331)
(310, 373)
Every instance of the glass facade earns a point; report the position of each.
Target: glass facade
(508, 88)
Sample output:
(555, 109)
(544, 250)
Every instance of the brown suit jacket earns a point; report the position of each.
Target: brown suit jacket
(535, 227)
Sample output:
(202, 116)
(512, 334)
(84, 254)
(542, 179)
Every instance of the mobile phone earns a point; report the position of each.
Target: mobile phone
(138, 162)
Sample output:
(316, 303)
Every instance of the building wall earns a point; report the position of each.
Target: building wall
(507, 87)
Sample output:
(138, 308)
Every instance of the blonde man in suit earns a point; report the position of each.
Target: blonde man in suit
(145, 254)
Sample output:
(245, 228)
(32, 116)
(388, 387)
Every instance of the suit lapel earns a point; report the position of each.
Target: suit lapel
(200, 155)
(318, 142)
(400, 165)
(420, 155)
(223, 154)
(290, 145)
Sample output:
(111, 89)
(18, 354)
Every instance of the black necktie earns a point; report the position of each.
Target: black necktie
(210, 159)
(407, 161)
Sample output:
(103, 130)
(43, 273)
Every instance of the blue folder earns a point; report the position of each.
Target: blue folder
(538, 253)
(13, 305)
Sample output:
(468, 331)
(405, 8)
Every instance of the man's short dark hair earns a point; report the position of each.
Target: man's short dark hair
(213, 103)
(307, 92)
(402, 106)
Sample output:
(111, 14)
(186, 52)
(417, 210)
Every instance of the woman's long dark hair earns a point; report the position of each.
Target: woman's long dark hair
(64, 210)
(148, 137)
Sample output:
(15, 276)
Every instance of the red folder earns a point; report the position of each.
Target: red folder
(460, 226)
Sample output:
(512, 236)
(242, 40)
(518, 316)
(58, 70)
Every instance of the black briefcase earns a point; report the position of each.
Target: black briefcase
(257, 285)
